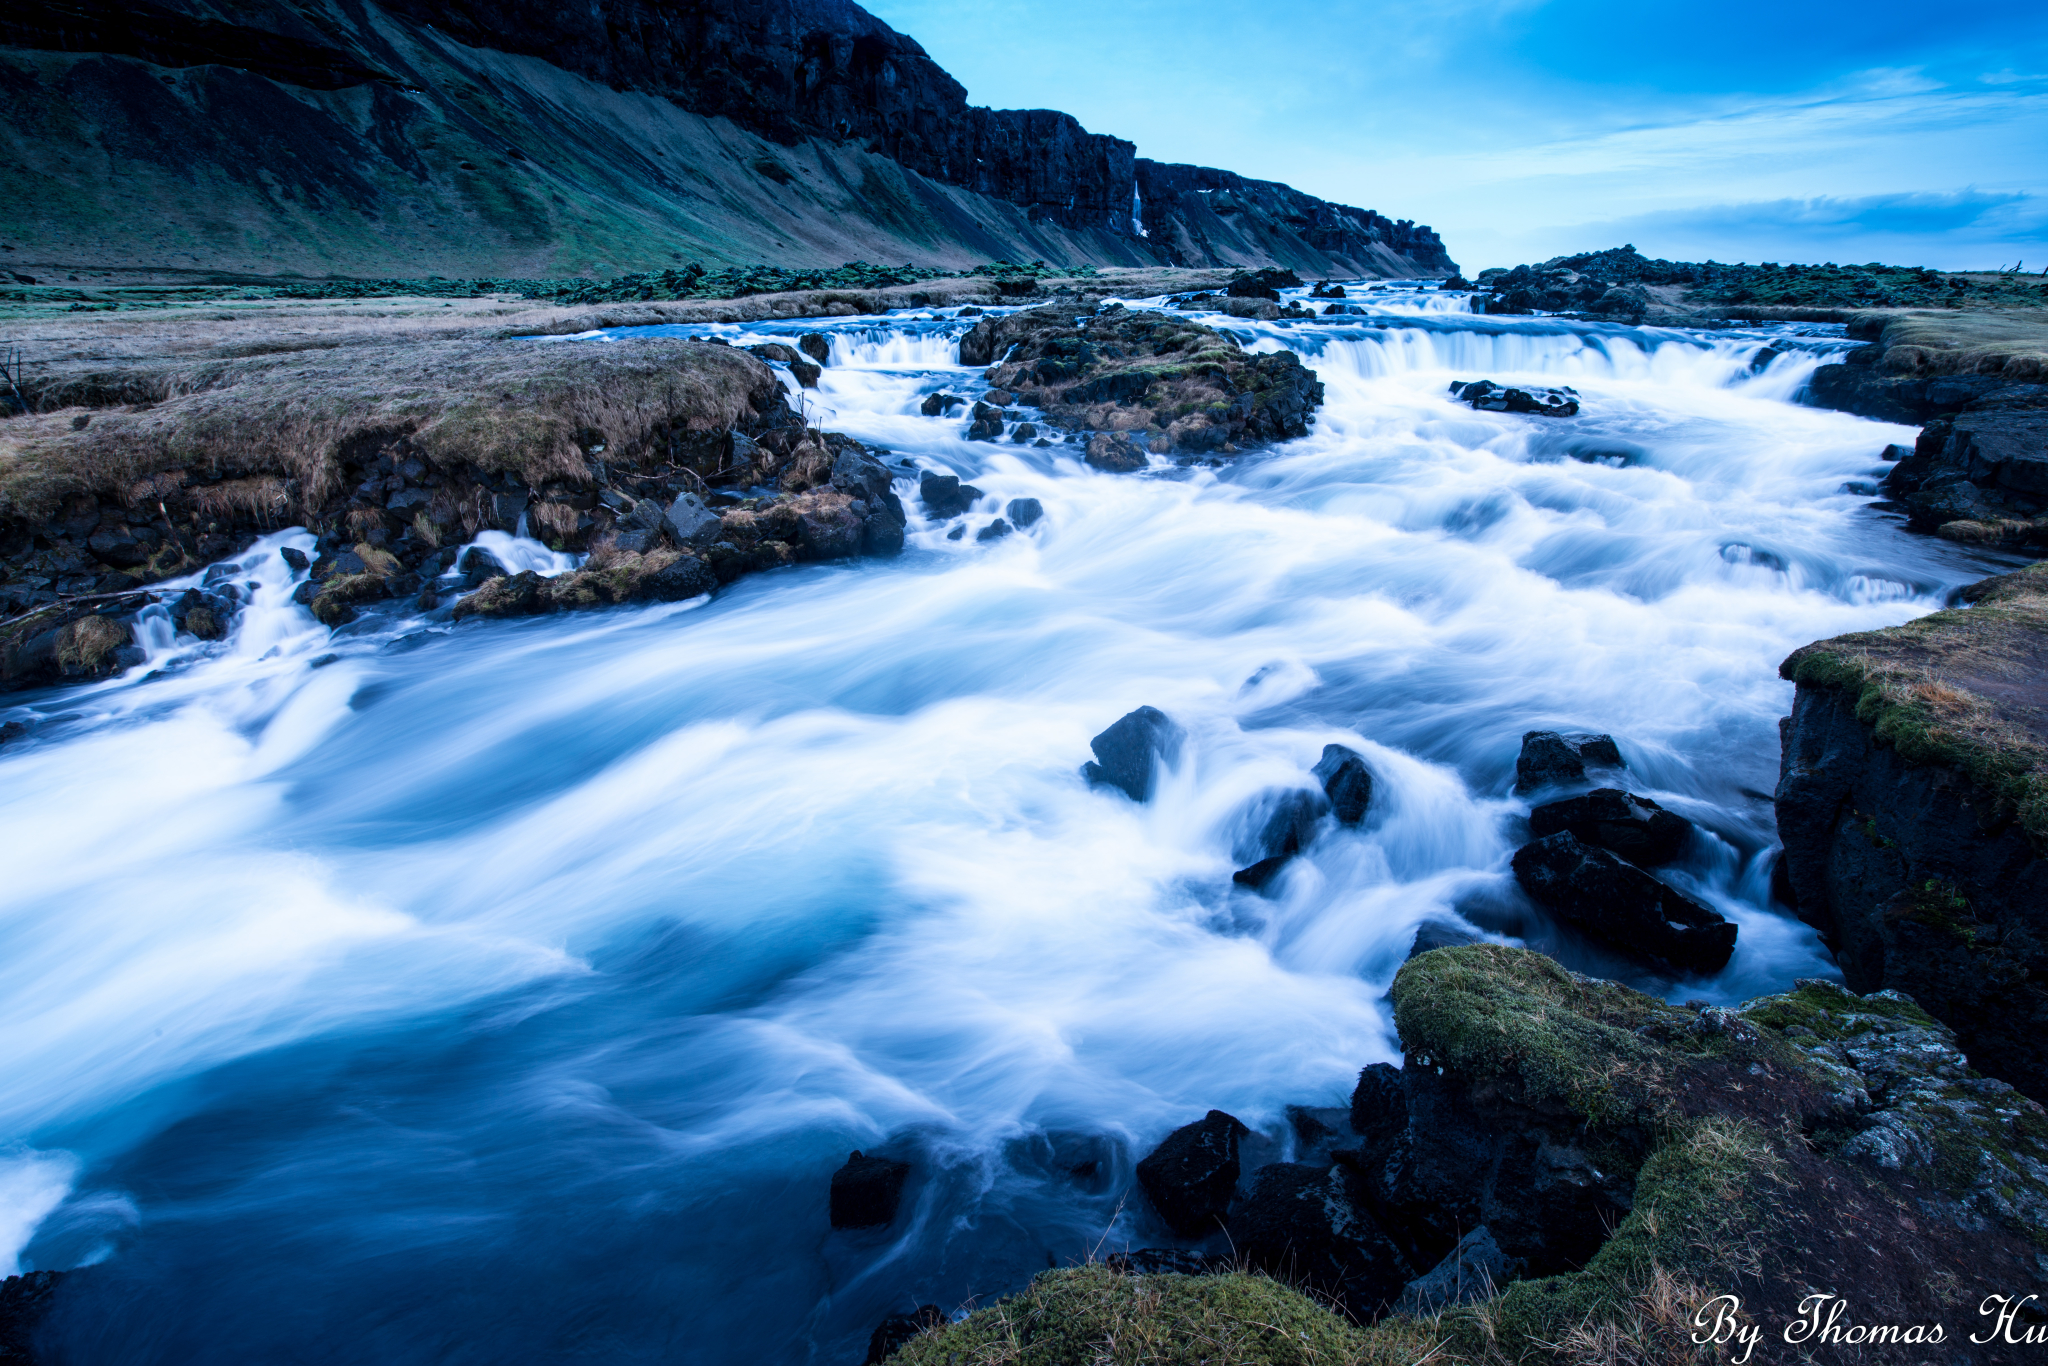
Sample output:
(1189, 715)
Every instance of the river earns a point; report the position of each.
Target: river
(509, 992)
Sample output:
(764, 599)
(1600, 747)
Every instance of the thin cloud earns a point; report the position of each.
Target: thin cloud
(2012, 215)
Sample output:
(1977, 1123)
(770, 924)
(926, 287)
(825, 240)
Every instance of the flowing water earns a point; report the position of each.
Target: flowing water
(510, 992)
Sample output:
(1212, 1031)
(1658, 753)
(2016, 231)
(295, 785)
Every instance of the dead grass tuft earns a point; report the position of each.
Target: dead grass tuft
(519, 407)
(2012, 343)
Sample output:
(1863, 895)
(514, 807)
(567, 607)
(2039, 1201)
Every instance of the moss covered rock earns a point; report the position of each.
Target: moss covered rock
(1813, 1142)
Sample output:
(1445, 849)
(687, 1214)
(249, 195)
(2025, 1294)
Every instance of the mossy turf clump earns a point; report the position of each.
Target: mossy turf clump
(1932, 689)
(1554, 1042)
(1093, 1314)
(1561, 1040)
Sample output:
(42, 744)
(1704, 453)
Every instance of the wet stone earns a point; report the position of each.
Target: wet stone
(867, 1190)
(1191, 1176)
(1634, 827)
(1127, 753)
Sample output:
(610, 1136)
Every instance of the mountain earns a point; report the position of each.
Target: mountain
(515, 138)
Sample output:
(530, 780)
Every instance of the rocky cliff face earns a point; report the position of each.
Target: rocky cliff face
(516, 138)
(1201, 216)
(1913, 802)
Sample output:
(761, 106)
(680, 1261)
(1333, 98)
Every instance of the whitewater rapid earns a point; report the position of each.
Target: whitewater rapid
(510, 991)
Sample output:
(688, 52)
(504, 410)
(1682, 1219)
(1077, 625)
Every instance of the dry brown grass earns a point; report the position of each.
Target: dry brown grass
(1653, 1328)
(529, 408)
(2011, 343)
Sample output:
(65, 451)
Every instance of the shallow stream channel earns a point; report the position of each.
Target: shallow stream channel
(510, 991)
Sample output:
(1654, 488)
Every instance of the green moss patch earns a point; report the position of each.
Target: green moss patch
(1092, 1314)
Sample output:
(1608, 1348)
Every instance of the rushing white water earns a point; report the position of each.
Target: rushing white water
(511, 991)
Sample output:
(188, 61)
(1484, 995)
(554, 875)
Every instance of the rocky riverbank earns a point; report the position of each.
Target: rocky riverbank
(1913, 803)
(1624, 285)
(1564, 1169)
(1978, 472)
(674, 465)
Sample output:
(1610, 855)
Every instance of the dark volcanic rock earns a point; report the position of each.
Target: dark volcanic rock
(25, 1301)
(817, 346)
(1263, 284)
(1634, 827)
(1379, 1115)
(1902, 847)
(1286, 822)
(1439, 934)
(898, 1329)
(690, 522)
(1473, 1270)
(1191, 1176)
(1346, 781)
(944, 496)
(1614, 283)
(867, 1190)
(1116, 453)
(938, 405)
(1144, 381)
(1024, 512)
(1622, 905)
(1980, 475)
(987, 423)
(1126, 754)
(1487, 396)
(1552, 759)
(1303, 1225)
(1550, 1109)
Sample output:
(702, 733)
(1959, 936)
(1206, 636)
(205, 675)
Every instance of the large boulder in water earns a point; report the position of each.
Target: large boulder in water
(867, 1190)
(1552, 759)
(1303, 1225)
(1634, 827)
(1487, 396)
(1621, 905)
(1346, 781)
(944, 496)
(1263, 284)
(1127, 754)
(1285, 828)
(1174, 384)
(1191, 1176)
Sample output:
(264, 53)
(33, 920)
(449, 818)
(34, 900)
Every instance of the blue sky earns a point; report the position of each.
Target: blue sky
(1522, 129)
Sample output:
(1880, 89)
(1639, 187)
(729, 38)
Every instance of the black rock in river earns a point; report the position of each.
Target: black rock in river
(1620, 904)
(867, 1190)
(1634, 827)
(1128, 753)
(1191, 1177)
